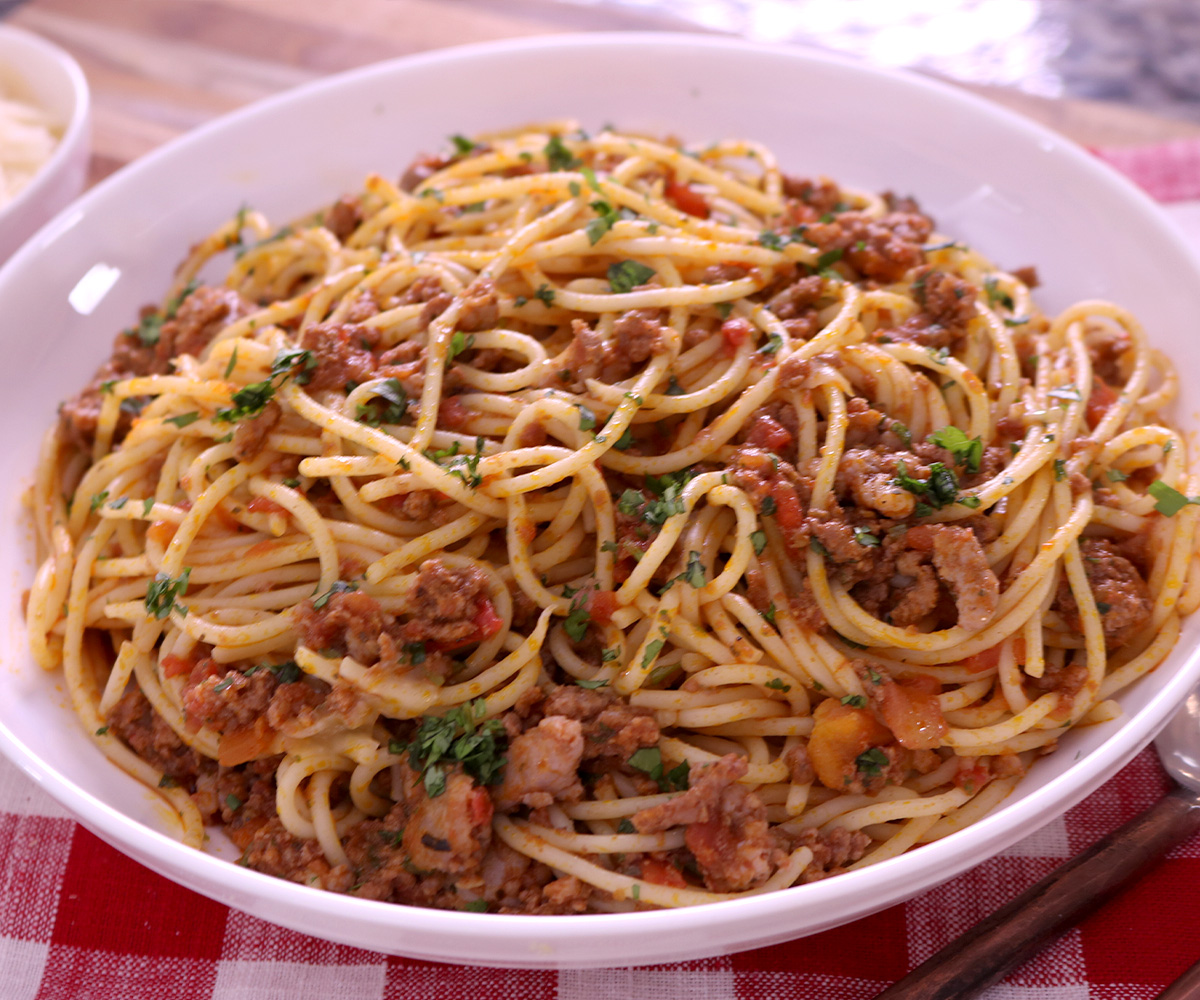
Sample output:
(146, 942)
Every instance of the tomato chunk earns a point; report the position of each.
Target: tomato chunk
(687, 199)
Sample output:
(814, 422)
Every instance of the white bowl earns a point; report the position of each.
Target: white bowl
(43, 75)
(1015, 190)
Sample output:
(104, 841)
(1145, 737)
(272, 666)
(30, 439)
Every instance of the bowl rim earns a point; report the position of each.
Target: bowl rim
(926, 867)
(74, 129)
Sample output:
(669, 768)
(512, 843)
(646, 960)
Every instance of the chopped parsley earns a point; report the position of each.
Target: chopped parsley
(1116, 476)
(864, 537)
(775, 684)
(462, 145)
(625, 275)
(390, 393)
(871, 762)
(667, 501)
(460, 342)
(649, 761)
(694, 574)
(97, 501)
(339, 587)
(939, 490)
(855, 701)
(829, 258)
(967, 452)
(591, 685)
(247, 402)
(183, 419)
(759, 540)
(558, 156)
(996, 295)
(1169, 500)
(161, 594)
(1060, 470)
(587, 419)
(545, 295)
(774, 342)
(459, 737)
(577, 621)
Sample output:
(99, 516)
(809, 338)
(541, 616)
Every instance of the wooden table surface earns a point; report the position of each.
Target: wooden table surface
(161, 67)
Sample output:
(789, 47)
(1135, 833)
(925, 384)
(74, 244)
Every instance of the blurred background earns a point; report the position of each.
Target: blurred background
(1144, 53)
(1107, 73)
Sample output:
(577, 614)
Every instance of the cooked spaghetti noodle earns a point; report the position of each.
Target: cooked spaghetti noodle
(587, 523)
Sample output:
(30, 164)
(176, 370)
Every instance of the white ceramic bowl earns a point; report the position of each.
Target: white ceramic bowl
(42, 74)
(1015, 190)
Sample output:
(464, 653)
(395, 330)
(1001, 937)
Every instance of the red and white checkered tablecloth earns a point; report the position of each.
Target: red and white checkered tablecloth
(62, 939)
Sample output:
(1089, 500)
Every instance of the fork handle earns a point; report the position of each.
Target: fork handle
(1014, 933)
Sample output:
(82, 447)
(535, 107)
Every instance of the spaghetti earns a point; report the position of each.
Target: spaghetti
(588, 523)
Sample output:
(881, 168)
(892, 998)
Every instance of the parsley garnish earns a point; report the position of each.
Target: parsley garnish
(587, 419)
(183, 419)
(97, 501)
(940, 489)
(772, 240)
(967, 452)
(625, 275)
(247, 402)
(545, 295)
(392, 394)
(577, 621)
(775, 684)
(649, 761)
(694, 574)
(996, 294)
(460, 342)
(759, 540)
(462, 145)
(458, 737)
(339, 587)
(864, 537)
(558, 156)
(591, 685)
(1116, 476)
(871, 762)
(161, 594)
(1169, 500)
(1060, 470)
(855, 701)
(774, 342)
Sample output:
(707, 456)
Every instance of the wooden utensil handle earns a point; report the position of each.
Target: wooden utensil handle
(1014, 933)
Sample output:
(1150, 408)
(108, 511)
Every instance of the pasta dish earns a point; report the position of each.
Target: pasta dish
(585, 523)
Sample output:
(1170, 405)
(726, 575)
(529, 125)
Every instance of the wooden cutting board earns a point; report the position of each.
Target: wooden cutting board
(161, 67)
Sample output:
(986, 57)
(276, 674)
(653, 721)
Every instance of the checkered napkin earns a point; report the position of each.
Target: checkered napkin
(79, 921)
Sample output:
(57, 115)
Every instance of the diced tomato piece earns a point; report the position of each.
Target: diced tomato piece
(162, 532)
(686, 199)
(1103, 396)
(662, 872)
(602, 605)
(479, 807)
(769, 433)
(910, 709)
(986, 659)
(486, 621)
(453, 415)
(972, 778)
(176, 666)
(789, 514)
(735, 332)
(920, 537)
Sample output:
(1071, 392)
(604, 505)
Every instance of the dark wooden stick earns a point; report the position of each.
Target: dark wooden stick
(1016, 932)
(1186, 987)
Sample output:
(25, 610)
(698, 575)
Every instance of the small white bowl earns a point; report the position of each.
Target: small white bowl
(34, 70)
